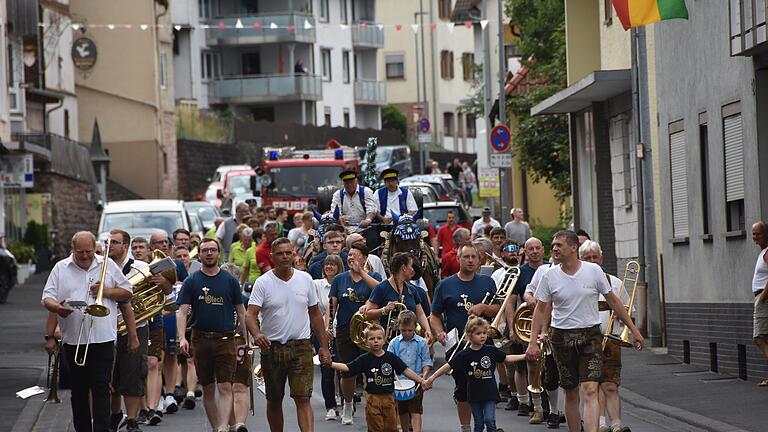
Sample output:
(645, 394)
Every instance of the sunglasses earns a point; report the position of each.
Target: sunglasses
(511, 248)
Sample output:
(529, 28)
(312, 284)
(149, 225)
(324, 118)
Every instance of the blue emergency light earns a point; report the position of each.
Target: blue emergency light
(273, 155)
(338, 154)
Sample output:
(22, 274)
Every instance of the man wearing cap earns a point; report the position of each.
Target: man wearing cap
(353, 204)
(393, 200)
(478, 228)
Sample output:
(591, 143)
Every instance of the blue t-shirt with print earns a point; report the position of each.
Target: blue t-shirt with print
(384, 293)
(340, 286)
(213, 300)
(452, 293)
(526, 276)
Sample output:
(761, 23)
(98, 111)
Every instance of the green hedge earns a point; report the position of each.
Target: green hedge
(545, 234)
(24, 253)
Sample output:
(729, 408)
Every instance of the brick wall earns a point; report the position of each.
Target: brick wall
(720, 327)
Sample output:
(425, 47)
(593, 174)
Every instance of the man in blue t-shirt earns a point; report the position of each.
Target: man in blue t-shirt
(215, 297)
(456, 298)
(332, 243)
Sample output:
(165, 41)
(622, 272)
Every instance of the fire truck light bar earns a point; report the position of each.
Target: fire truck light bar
(273, 155)
(338, 154)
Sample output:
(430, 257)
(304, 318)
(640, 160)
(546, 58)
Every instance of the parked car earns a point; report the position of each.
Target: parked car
(397, 157)
(237, 183)
(222, 170)
(8, 273)
(142, 218)
(437, 214)
(450, 190)
(428, 192)
(206, 211)
(443, 194)
(212, 194)
(217, 182)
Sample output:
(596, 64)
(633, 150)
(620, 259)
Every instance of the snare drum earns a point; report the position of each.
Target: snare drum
(405, 389)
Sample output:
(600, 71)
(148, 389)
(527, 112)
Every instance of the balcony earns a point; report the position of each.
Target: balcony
(369, 92)
(367, 35)
(265, 89)
(747, 27)
(257, 29)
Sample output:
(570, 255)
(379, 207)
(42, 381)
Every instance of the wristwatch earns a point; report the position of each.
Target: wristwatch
(47, 337)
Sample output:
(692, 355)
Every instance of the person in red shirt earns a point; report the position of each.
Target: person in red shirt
(450, 263)
(445, 235)
(263, 252)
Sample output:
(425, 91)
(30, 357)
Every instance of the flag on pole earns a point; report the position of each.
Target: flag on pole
(635, 13)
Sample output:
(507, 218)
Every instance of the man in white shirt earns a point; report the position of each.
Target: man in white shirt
(569, 294)
(478, 228)
(393, 200)
(286, 350)
(608, 397)
(353, 204)
(76, 278)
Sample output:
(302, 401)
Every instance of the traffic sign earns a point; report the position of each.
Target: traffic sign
(425, 138)
(501, 160)
(424, 125)
(500, 137)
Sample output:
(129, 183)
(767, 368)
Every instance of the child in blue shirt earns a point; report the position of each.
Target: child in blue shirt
(414, 352)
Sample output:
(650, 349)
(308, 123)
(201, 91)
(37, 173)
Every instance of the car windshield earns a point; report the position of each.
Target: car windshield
(302, 181)
(439, 215)
(166, 221)
(383, 155)
(239, 185)
(205, 211)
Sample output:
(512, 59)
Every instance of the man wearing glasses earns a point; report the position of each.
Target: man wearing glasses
(215, 296)
(332, 243)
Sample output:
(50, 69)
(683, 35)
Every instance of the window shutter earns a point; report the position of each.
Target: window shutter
(679, 180)
(734, 158)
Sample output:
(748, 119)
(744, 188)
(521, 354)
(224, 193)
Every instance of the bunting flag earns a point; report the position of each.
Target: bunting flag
(635, 13)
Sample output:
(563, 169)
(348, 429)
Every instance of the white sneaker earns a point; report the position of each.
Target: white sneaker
(170, 404)
(161, 405)
(330, 415)
(346, 415)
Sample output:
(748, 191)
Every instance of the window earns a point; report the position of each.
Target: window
(467, 66)
(444, 9)
(205, 8)
(325, 57)
(471, 126)
(734, 166)
(163, 71)
(448, 124)
(346, 117)
(622, 122)
(678, 168)
(251, 63)
(324, 10)
(446, 64)
(395, 65)
(704, 167)
(327, 111)
(249, 7)
(344, 12)
(211, 65)
(345, 66)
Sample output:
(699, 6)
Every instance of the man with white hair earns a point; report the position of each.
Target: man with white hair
(608, 396)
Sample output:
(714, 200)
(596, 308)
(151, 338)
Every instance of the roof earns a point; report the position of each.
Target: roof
(143, 205)
(595, 87)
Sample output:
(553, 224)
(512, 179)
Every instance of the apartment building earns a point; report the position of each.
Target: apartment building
(311, 62)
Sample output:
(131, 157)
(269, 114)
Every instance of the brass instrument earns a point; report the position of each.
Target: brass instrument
(357, 327)
(53, 375)
(523, 323)
(538, 370)
(506, 287)
(93, 310)
(392, 329)
(631, 275)
(148, 298)
(193, 254)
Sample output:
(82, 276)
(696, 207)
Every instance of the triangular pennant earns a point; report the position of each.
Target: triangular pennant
(468, 24)
(111, 26)
(433, 26)
(143, 27)
(398, 27)
(273, 26)
(380, 26)
(343, 26)
(75, 26)
(202, 26)
(484, 24)
(291, 27)
(177, 27)
(450, 26)
(415, 28)
(363, 25)
(307, 25)
(239, 24)
(222, 26)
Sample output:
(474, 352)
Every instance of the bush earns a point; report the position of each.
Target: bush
(37, 235)
(545, 234)
(24, 253)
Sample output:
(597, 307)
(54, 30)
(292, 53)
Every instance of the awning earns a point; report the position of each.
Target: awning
(595, 87)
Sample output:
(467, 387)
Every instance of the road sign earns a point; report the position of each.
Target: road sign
(500, 137)
(424, 125)
(425, 138)
(501, 160)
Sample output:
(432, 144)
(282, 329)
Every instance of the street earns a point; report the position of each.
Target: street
(659, 393)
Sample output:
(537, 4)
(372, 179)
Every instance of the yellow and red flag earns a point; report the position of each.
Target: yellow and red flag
(635, 13)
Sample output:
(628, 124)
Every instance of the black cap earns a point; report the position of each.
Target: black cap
(486, 210)
(389, 173)
(348, 175)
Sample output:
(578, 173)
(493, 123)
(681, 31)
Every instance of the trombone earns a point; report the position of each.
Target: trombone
(631, 272)
(96, 309)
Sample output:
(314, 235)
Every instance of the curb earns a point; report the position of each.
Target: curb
(32, 409)
(682, 415)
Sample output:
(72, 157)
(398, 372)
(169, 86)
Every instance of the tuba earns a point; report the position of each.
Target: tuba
(522, 329)
(357, 330)
(148, 298)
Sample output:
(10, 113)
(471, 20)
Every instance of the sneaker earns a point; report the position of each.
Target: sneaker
(357, 398)
(346, 415)
(132, 425)
(553, 421)
(537, 417)
(154, 417)
(178, 394)
(161, 405)
(240, 427)
(604, 428)
(331, 414)
(189, 402)
(562, 418)
(524, 410)
(512, 405)
(170, 404)
(142, 417)
(116, 421)
(198, 392)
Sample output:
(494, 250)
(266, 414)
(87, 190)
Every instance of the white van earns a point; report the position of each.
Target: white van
(142, 218)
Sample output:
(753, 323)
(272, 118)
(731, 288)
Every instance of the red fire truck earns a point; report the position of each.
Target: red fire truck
(291, 177)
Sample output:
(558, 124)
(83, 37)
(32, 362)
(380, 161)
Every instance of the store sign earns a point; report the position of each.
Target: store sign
(17, 171)
(84, 53)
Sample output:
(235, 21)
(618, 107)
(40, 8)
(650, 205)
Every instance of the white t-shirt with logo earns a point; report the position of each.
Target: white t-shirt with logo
(574, 298)
(284, 305)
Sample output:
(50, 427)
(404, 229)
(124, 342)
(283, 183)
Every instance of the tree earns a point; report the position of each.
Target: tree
(393, 118)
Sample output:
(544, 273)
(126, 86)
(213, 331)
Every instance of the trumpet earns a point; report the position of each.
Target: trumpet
(96, 309)
(631, 273)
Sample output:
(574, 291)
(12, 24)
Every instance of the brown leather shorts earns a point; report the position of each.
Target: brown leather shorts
(612, 363)
(380, 412)
(290, 362)
(156, 345)
(214, 356)
(578, 355)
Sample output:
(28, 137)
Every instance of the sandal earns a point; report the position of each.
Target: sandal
(763, 383)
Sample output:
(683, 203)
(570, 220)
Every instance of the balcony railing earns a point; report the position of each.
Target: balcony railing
(747, 26)
(367, 35)
(265, 89)
(67, 157)
(258, 29)
(368, 92)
